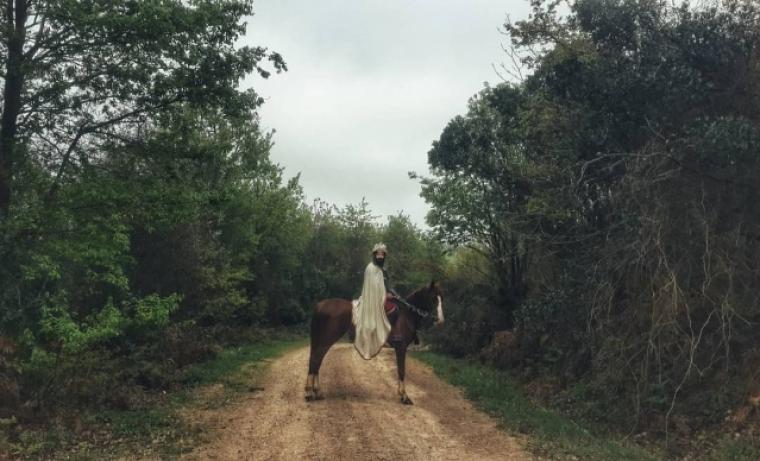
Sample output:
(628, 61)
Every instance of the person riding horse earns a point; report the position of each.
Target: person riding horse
(377, 308)
(369, 318)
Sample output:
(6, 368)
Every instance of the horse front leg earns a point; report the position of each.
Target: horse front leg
(312, 388)
(309, 388)
(401, 367)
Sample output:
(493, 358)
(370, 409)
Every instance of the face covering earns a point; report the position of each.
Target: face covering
(378, 261)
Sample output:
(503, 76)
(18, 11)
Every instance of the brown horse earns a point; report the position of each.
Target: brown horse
(332, 319)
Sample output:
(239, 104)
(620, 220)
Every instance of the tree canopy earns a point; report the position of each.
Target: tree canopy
(613, 191)
(78, 74)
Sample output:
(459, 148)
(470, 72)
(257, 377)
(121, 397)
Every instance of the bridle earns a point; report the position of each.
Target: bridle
(415, 309)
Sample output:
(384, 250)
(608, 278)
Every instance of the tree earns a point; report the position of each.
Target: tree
(414, 257)
(481, 185)
(80, 73)
(360, 230)
(625, 167)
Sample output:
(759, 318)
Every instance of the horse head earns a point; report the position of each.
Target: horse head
(429, 299)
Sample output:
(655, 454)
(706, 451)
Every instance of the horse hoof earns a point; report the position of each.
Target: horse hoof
(406, 400)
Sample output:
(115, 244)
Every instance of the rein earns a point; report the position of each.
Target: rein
(414, 308)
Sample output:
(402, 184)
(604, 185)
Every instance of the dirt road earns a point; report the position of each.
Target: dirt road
(360, 417)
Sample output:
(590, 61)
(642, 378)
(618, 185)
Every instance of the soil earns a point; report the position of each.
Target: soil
(359, 418)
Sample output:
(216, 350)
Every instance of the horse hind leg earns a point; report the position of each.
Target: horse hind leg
(312, 380)
(313, 391)
(401, 366)
(316, 353)
(325, 331)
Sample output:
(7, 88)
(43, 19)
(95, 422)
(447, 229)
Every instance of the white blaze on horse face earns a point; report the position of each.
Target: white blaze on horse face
(439, 310)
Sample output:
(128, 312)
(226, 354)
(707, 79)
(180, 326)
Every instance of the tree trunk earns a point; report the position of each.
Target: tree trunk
(15, 21)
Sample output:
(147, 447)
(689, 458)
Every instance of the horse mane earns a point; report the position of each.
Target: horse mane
(416, 295)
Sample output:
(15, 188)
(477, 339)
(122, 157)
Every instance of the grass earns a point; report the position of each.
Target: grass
(550, 433)
(735, 450)
(155, 428)
(232, 366)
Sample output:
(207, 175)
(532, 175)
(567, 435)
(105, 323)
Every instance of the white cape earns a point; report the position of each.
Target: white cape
(372, 326)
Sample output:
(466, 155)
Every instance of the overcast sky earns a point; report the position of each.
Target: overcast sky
(371, 84)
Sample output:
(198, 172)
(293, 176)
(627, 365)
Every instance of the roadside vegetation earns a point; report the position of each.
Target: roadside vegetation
(156, 423)
(550, 434)
(555, 431)
(603, 204)
(594, 223)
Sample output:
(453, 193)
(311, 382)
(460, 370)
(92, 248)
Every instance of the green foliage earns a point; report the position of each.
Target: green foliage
(58, 325)
(733, 450)
(95, 71)
(470, 308)
(486, 190)
(145, 209)
(613, 191)
(229, 366)
(414, 259)
(555, 435)
(152, 425)
(339, 245)
(154, 311)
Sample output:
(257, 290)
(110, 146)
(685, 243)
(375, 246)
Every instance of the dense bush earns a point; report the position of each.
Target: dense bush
(469, 300)
(614, 190)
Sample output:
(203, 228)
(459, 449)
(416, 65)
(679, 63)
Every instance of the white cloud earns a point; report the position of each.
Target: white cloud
(370, 85)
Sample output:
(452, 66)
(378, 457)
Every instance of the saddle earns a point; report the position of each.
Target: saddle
(391, 311)
(390, 304)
